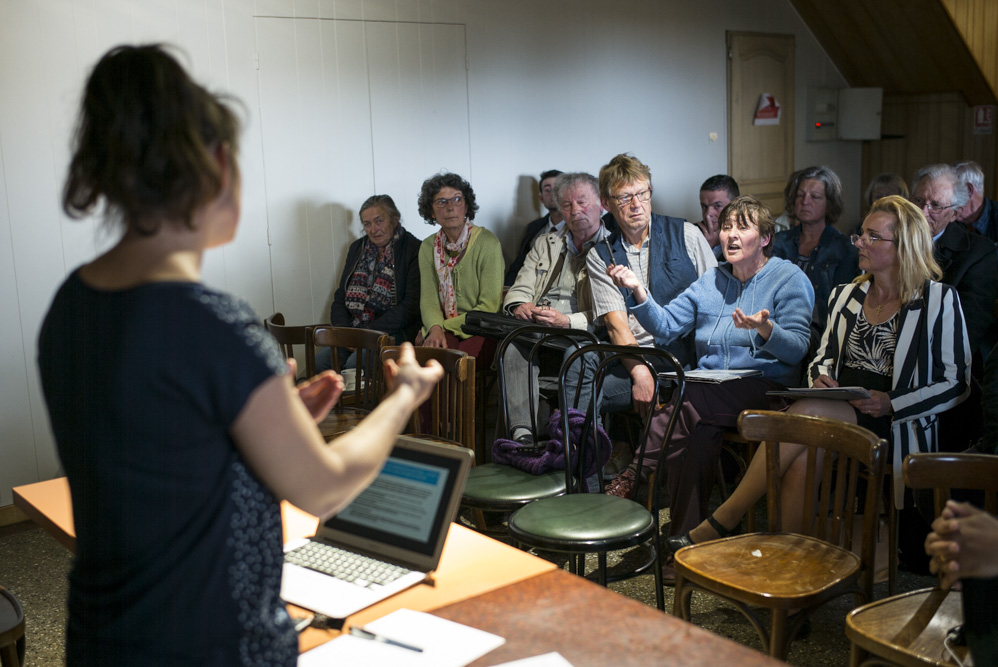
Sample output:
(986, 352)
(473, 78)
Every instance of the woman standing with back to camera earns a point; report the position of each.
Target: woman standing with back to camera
(174, 413)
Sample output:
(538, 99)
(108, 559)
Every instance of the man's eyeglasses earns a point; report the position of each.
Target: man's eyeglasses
(868, 239)
(930, 206)
(442, 203)
(624, 200)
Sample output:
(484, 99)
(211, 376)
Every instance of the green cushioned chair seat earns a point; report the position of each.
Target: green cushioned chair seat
(496, 484)
(581, 518)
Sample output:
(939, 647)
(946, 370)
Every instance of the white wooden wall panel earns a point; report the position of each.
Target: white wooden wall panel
(372, 107)
(245, 261)
(32, 192)
(314, 185)
(418, 69)
(346, 140)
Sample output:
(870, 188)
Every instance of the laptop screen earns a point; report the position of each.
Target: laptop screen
(406, 504)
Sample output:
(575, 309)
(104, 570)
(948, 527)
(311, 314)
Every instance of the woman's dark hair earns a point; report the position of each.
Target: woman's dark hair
(385, 202)
(146, 141)
(435, 184)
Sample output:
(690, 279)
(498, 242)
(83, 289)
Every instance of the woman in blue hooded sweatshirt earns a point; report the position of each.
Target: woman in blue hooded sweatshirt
(773, 339)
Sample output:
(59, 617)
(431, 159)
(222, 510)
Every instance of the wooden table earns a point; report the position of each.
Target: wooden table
(489, 585)
(591, 626)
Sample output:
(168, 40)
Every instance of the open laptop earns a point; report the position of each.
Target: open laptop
(392, 534)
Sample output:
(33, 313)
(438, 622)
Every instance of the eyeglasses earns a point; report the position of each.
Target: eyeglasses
(443, 203)
(624, 200)
(930, 206)
(868, 239)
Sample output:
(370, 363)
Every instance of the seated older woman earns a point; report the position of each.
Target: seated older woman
(461, 266)
(824, 254)
(379, 287)
(772, 339)
(895, 331)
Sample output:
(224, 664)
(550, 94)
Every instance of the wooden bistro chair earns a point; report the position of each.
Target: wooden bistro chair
(578, 522)
(497, 488)
(781, 571)
(449, 413)
(910, 628)
(290, 336)
(354, 404)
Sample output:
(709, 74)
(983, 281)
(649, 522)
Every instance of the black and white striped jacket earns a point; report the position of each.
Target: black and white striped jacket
(931, 363)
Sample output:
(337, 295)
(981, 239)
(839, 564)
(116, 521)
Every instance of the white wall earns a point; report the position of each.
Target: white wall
(550, 84)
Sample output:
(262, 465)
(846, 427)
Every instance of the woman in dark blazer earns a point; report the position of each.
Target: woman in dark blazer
(379, 288)
(895, 331)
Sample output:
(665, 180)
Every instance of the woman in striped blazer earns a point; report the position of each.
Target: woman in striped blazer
(895, 331)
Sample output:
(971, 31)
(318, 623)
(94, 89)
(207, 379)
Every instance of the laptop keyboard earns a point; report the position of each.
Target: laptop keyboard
(346, 565)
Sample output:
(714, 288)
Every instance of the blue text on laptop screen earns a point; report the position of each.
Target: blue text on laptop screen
(402, 500)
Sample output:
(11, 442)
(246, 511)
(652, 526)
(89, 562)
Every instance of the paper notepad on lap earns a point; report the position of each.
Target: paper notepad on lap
(444, 643)
(833, 393)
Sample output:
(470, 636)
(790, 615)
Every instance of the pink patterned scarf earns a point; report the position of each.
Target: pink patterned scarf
(446, 255)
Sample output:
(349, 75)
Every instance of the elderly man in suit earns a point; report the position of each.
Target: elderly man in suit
(968, 260)
(969, 264)
(552, 221)
(979, 214)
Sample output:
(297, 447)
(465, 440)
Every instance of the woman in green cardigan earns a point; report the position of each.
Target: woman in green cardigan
(460, 267)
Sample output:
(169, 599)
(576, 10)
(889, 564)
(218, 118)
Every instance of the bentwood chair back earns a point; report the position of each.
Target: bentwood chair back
(581, 522)
(910, 628)
(449, 413)
(497, 488)
(782, 571)
(290, 336)
(367, 345)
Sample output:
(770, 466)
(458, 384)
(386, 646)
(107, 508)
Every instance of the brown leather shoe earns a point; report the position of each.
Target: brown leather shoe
(622, 486)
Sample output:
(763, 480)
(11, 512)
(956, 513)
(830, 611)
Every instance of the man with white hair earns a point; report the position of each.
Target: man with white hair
(979, 213)
(552, 289)
(968, 260)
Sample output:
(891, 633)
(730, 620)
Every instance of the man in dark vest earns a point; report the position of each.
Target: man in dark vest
(667, 254)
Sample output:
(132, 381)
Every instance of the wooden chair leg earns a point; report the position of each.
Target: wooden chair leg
(892, 539)
(778, 634)
(681, 599)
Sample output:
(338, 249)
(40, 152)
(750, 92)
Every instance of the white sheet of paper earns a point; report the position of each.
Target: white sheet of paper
(444, 643)
(553, 659)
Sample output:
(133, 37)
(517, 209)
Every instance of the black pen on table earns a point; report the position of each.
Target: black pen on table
(367, 634)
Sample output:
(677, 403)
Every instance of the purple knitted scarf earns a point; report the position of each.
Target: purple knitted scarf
(552, 457)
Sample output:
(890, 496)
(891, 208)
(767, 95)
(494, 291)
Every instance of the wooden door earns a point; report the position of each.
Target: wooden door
(760, 157)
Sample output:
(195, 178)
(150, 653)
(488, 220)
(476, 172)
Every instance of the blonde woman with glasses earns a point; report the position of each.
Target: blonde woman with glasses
(895, 331)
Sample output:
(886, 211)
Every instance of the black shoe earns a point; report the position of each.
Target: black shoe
(677, 542)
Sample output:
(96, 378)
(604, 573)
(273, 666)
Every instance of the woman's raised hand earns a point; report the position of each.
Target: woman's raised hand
(760, 322)
(408, 373)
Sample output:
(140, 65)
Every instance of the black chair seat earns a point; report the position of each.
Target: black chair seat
(501, 487)
(594, 520)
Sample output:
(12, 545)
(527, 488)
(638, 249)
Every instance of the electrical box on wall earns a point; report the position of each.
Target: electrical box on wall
(844, 114)
(822, 114)
(859, 113)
